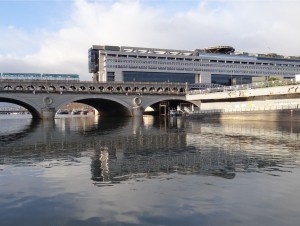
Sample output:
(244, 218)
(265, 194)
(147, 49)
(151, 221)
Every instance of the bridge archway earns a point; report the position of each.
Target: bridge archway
(33, 111)
(171, 104)
(104, 106)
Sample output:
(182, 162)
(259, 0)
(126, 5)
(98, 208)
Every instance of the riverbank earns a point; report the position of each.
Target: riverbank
(284, 115)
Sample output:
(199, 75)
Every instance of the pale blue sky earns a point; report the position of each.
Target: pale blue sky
(50, 14)
(31, 15)
(54, 36)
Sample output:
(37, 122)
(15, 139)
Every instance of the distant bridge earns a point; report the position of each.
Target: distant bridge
(43, 98)
(14, 109)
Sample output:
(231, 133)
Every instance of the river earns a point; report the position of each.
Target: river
(148, 171)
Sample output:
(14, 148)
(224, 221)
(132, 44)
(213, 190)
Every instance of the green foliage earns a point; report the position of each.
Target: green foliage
(273, 79)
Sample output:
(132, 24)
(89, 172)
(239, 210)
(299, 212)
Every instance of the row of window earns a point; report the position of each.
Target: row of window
(158, 77)
(202, 70)
(212, 68)
(292, 64)
(214, 65)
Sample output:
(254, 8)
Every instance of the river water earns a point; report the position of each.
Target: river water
(148, 171)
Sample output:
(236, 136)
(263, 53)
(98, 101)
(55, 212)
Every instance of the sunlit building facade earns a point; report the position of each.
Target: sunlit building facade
(219, 65)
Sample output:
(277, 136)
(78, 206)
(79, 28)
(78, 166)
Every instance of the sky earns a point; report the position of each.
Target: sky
(53, 36)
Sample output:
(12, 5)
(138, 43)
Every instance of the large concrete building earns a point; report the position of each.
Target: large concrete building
(219, 65)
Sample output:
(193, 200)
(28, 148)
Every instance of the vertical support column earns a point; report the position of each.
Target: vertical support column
(205, 78)
(96, 77)
(48, 113)
(164, 108)
(102, 68)
(197, 78)
(137, 110)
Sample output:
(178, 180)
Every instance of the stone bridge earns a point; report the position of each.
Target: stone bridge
(43, 98)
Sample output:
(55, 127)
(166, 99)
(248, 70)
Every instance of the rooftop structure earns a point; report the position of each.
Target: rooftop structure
(219, 65)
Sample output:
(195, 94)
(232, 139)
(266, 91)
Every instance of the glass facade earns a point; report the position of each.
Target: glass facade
(130, 76)
(93, 60)
(227, 80)
(110, 76)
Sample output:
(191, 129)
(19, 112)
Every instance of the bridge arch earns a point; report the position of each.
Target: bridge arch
(30, 87)
(41, 87)
(127, 89)
(175, 89)
(172, 103)
(29, 106)
(92, 88)
(119, 89)
(152, 89)
(82, 88)
(106, 106)
(19, 87)
(8, 87)
(52, 88)
(110, 88)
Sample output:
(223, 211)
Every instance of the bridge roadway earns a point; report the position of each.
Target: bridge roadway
(43, 98)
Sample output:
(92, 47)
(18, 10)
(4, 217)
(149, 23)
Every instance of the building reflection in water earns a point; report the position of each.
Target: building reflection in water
(100, 166)
(187, 147)
(122, 149)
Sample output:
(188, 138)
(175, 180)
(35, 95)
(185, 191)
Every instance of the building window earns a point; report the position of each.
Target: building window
(158, 77)
(111, 76)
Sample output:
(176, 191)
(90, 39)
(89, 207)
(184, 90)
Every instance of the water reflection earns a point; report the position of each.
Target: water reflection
(122, 149)
(17, 130)
(149, 171)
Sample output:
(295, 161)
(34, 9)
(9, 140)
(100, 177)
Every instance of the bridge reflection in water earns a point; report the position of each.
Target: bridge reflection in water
(123, 149)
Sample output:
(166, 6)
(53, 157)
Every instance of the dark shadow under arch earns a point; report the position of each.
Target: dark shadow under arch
(106, 107)
(35, 114)
(172, 104)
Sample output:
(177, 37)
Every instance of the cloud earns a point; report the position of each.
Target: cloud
(251, 26)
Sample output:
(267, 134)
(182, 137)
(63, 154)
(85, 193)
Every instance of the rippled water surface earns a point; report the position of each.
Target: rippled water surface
(149, 171)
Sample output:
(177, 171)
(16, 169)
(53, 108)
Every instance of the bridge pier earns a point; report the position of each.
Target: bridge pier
(48, 113)
(137, 111)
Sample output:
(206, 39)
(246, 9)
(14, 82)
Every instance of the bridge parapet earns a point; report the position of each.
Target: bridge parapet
(243, 92)
(93, 87)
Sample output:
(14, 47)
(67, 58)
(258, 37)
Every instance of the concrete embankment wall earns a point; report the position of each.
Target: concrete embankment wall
(253, 104)
(267, 104)
(285, 115)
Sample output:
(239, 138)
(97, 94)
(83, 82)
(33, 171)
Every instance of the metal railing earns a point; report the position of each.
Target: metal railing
(256, 85)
